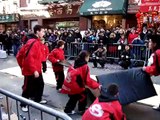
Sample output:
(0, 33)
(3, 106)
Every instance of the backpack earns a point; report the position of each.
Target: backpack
(22, 54)
(73, 83)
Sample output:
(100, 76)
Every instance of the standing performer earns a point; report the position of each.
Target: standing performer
(56, 56)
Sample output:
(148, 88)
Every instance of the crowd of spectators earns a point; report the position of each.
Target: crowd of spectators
(11, 41)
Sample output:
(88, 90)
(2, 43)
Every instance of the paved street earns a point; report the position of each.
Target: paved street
(134, 111)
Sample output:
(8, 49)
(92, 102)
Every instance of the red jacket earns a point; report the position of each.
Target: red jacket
(56, 54)
(131, 37)
(85, 75)
(103, 110)
(45, 52)
(151, 68)
(33, 61)
(87, 80)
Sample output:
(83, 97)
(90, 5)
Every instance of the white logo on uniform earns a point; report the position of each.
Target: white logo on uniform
(96, 110)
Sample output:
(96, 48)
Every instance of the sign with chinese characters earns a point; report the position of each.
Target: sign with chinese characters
(133, 6)
(9, 18)
(150, 8)
(64, 10)
(149, 1)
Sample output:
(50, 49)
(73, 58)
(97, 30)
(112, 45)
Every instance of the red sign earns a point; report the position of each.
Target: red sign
(150, 8)
(149, 1)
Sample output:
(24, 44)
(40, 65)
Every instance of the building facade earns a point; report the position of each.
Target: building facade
(9, 15)
(79, 14)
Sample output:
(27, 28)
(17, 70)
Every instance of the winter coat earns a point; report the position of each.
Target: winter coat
(55, 55)
(86, 80)
(106, 107)
(152, 65)
(32, 62)
(45, 52)
(131, 37)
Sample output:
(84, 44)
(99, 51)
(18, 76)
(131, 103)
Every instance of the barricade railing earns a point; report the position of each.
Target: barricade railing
(139, 52)
(45, 113)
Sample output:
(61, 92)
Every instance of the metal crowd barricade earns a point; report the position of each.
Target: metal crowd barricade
(74, 48)
(46, 113)
(139, 52)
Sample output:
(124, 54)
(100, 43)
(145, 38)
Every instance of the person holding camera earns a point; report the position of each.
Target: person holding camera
(99, 56)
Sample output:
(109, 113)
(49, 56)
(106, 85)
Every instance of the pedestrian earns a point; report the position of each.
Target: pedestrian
(45, 51)
(153, 66)
(29, 59)
(56, 56)
(82, 79)
(106, 106)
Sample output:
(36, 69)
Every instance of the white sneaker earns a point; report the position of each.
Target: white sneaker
(156, 108)
(70, 113)
(59, 90)
(24, 109)
(43, 102)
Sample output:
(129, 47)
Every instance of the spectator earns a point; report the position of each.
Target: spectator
(125, 57)
(16, 43)
(132, 35)
(99, 56)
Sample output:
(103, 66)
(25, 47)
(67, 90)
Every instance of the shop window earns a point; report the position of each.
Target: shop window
(106, 21)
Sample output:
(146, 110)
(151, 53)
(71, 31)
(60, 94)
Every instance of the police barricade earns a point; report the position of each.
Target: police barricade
(36, 111)
(74, 48)
(139, 52)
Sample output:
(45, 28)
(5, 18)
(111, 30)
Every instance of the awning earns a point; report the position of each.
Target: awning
(47, 1)
(101, 7)
(150, 7)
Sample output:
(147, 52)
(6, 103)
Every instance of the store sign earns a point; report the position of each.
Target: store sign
(9, 18)
(150, 8)
(149, 1)
(66, 10)
(100, 4)
(67, 24)
(133, 6)
(100, 7)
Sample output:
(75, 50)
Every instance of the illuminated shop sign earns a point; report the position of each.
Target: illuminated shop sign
(100, 7)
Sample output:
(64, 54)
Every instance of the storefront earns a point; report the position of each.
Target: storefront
(104, 13)
(9, 22)
(63, 16)
(149, 14)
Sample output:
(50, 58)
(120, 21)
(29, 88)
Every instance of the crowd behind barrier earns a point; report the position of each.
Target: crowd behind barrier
(13, 100)
(138, 52)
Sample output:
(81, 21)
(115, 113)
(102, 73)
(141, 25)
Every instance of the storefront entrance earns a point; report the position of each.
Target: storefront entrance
(106, 21)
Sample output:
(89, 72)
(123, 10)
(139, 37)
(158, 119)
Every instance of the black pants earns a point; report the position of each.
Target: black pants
(101, 62)
(33, 88)
(124, 64)
(44, 66)
(60, 79)
(73, 99)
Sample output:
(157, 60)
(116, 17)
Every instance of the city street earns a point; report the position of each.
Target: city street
(10, 82)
